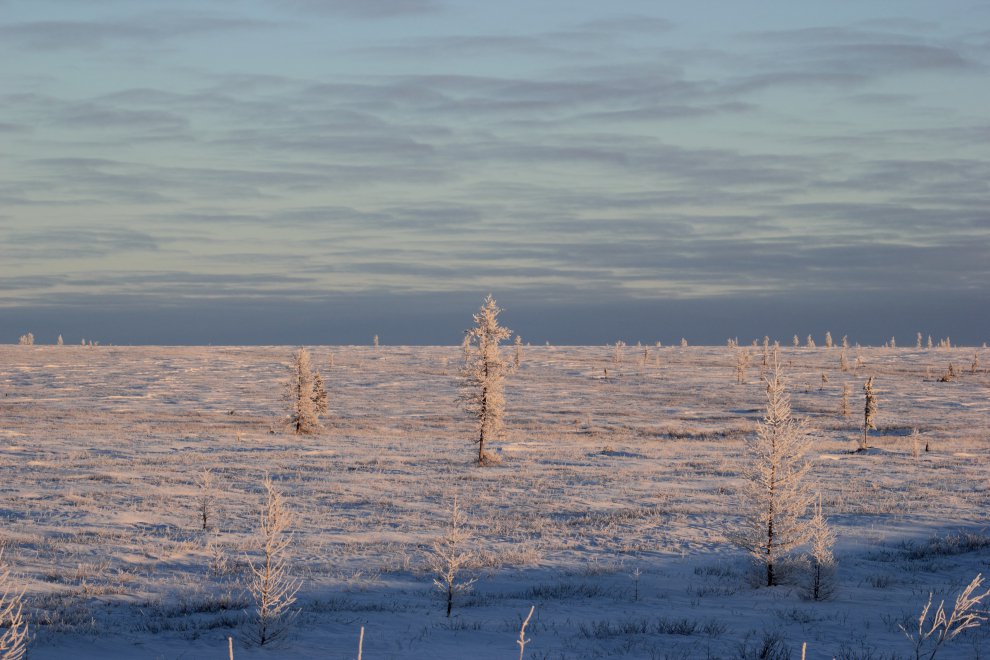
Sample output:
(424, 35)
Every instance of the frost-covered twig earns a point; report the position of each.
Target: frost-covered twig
(935, 630)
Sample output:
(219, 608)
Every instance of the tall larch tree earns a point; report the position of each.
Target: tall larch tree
(776, 492)
(305, 395)
(484, 376)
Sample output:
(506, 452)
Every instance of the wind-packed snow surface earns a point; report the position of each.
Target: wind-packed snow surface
(611, 510)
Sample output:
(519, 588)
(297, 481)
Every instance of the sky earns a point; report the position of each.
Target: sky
(320, 171)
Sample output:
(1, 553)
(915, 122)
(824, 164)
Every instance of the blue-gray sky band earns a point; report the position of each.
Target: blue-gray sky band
(322, 170)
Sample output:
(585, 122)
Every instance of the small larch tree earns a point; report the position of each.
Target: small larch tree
(483, 377)
(305, 395)
(821, 584)
(271, 586)
(776, 492)
(869, 413)
(449, 557)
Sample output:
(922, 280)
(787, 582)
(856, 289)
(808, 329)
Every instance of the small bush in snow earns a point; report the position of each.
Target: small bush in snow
(936, 628)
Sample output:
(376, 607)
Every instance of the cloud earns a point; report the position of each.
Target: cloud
(67, 242)
(57, 35)
(366, 9)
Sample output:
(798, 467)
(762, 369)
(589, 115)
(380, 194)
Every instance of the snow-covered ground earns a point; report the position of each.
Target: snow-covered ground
(609, 512)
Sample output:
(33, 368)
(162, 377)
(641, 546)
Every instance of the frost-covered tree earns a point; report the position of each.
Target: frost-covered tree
(320, 403)
(828, 339)
(917, 343)
(869, 413)
(821, 584)
(206, 497)
(271, 586)
(846, 393)
(776, 493)
(305, 395)
(14, 638)
(449, 557)
(517, 351)
(59, 341)
(796, 341)
(742, 363)
(617, 352)
(484, 376)
(26, 340)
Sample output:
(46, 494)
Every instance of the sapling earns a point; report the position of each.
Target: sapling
(846, 393)
(822, 582)
(742, 363)
(449, 557)
(869, 413)
(517, 351)
(917, 343)
(207, 497)
(828, 339)
(843, 361)
(271, 586)
(617, 355)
